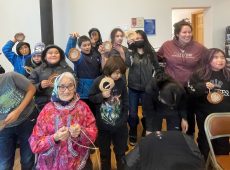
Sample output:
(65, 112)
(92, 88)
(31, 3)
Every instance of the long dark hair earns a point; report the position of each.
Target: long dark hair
(204, 71)
(148, 49)
(113, 33)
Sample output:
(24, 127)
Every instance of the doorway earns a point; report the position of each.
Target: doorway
(198, 26)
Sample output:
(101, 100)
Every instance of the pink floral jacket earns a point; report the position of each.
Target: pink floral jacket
(64, 155)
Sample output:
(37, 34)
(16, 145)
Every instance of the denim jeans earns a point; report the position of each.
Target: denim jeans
(8, 141)
(133, 120)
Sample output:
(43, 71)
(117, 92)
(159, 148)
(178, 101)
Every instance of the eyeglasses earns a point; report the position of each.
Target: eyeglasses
(62, 88)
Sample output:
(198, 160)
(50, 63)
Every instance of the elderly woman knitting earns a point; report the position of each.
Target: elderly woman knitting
(64, 130)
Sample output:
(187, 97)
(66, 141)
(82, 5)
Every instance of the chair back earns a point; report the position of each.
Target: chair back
(216, 125)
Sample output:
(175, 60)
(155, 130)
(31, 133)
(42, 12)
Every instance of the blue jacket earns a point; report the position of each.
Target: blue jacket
(17, 61)
(87, 68)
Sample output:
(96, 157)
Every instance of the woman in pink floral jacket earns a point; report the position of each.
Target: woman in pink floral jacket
(64, 129)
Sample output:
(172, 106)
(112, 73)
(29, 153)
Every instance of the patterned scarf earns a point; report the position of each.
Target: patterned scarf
(55, 97)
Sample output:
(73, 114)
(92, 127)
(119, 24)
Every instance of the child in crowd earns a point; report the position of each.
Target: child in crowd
(212, 75)
(17, 60)
(165, 98)
(43, 76)
(111, 112)
(87, 68)
(16, 119)
(144, 64)
(118, 49)
(64, 129)
(95, 37)
(36, 58)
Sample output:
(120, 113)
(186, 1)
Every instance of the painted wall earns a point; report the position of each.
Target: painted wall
(80, 16)
(18, 16)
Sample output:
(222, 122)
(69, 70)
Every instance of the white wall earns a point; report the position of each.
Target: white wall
(18, 16)
(221, 19)
(81, 15)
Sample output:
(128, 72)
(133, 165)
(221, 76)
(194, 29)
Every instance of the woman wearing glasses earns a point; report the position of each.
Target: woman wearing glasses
(64, 130)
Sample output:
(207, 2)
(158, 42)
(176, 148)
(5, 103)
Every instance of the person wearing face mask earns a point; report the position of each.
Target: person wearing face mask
(165, 99)
(144, 64)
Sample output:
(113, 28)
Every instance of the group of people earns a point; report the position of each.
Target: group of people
(57, 112)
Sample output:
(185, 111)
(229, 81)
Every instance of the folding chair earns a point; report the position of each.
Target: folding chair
(217, 125)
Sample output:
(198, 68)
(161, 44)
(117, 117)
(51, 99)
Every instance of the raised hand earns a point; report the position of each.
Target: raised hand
(75, 35)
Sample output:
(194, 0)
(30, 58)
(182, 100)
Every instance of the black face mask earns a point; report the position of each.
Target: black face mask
(131, 46)
(140, 44)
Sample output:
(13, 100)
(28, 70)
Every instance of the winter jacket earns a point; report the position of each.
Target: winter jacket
(111, 113)
(63, 155)
(181, 60)
(115, 53)
(166, 150)
(87, 68)
(17, 61)
(141, 70)
(32, 64)
(43, 72)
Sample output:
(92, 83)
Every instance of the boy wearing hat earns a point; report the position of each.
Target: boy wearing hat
(17, 59)
(36, 59)
(54, 64)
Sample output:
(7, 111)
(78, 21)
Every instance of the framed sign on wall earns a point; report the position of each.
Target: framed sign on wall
(137, 22)
(150, 26)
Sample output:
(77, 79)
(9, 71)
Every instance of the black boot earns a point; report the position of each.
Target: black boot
(133, 136)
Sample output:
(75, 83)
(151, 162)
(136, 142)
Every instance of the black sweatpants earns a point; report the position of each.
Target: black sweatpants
(118, 138)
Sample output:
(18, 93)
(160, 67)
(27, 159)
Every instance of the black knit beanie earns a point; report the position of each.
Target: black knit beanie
(62, 54)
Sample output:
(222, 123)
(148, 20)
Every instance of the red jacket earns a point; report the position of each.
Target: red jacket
(64, 155)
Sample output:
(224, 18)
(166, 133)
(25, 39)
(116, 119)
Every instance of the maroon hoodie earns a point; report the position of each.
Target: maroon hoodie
(181, 60)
